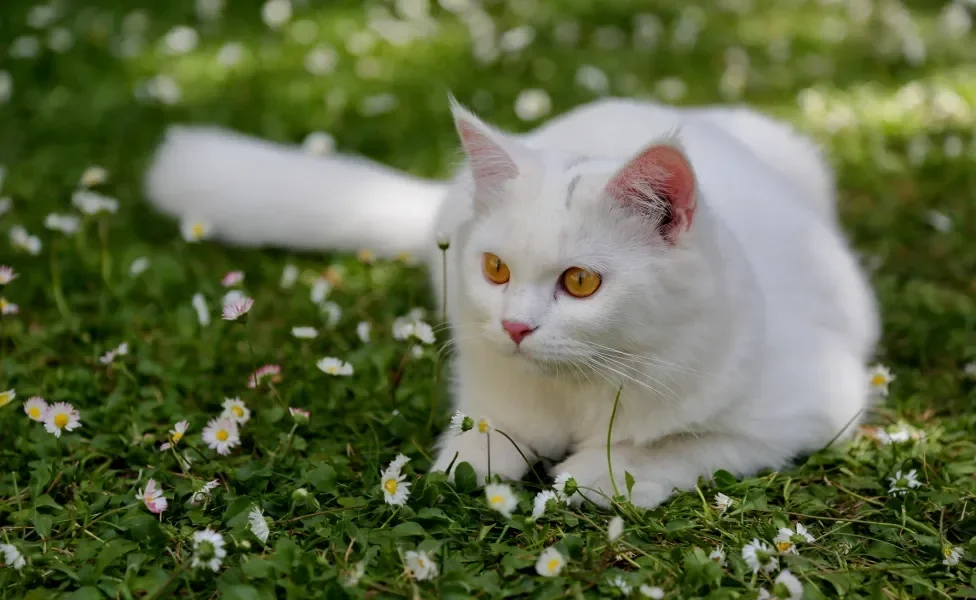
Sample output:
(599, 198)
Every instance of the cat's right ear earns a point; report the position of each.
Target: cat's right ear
(492, 156)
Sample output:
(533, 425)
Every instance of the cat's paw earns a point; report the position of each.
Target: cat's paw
(472, 447)
(589, 470)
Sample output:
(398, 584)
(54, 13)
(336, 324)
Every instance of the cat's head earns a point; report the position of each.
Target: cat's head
(573, 259)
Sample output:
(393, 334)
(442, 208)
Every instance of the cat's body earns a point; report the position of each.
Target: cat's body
(730, 307)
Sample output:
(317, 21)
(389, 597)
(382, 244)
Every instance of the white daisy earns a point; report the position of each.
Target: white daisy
(334, 366)
(7, 274)
(550, 563)
(35, 407)
(67, 224)
(153, 498)
(5, 203)
(621, 584)
(203, 493)
(208, 550)
(423, 332)
(443, 241)
(402, 328)
(139, 266)
(236, 410)
(304, 333)
(970, 369)
(232, 278)
(419, 565)
(541, 501)
(12, 557)
(952, 555)
(398, 462)
(483, 425)
(195, 230)
(501, 498)
(320, 290)
(110, 356)
(175, 435)
(318, 143)
(760, 555)
(201, 308)
(615, 529)
(396, 488)
(787, 539)
(902, 483)
(878, 378)
(92, 203)
(722, 503)
(565, 486)
(333, 313)
(259, 526)
(460, 423)
(786, 587)
(93, 175)
(221, 435)
(651, 591)
(289, 275)
(718, 555)
(233, 297)
(362, 331)
(7, 307)
(236, 310)
(7, 397)
(61, 416)
(352, 576)
(22, 240)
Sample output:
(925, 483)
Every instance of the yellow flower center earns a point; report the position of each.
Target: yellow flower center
(60, 420)
(237, 410)
(332, 369)
(3, 303)
(177, 436)
(222, 435)
(4, 398)
(483, 426)
(878, 380)
(197, 230)
(552, 565)
(947, 551)
(34, 412)
(390, 485)
(496, 500)
(784, 546)
(421, 562)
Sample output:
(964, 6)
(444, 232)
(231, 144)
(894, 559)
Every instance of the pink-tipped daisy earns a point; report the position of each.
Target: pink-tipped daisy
(61, 416)
(236, 310)
(233, 278)
(35, 407)
(153, 498)
(299, 415)
(269, 372)
(7, 307)
(7, 274)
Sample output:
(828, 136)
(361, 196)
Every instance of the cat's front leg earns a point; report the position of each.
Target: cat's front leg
(473, 447)
(664, 468)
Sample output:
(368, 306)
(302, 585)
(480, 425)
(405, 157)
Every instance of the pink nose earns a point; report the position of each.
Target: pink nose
(517, 330)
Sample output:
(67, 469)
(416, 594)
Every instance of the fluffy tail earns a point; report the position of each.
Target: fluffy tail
(257, 193)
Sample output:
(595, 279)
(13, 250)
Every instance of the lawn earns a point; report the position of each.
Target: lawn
(888, 87)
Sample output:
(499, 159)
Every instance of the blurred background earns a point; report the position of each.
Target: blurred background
(887, 85)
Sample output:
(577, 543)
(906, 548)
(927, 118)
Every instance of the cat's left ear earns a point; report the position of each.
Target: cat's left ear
(659, 183)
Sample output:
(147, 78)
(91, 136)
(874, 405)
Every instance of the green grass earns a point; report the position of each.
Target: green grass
(69, 504)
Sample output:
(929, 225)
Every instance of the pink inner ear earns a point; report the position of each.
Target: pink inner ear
(489, 161)
(659, 174)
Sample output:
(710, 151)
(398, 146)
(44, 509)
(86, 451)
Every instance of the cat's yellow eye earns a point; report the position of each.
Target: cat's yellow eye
(581, 282)
(495, 270)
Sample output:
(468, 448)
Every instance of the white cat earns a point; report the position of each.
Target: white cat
(690, 255)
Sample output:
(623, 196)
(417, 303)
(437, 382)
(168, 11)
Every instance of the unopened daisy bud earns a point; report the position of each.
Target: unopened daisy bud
(300, 496)
(299, 416)
(443, 241)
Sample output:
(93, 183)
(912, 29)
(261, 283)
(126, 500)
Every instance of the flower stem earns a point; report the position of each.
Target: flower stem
(56, 284)
(488, 438)
(106, 258)
(613, 414)
(443, 285)
(519, 450)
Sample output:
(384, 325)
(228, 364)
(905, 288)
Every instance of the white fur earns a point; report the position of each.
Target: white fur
(740, 347)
